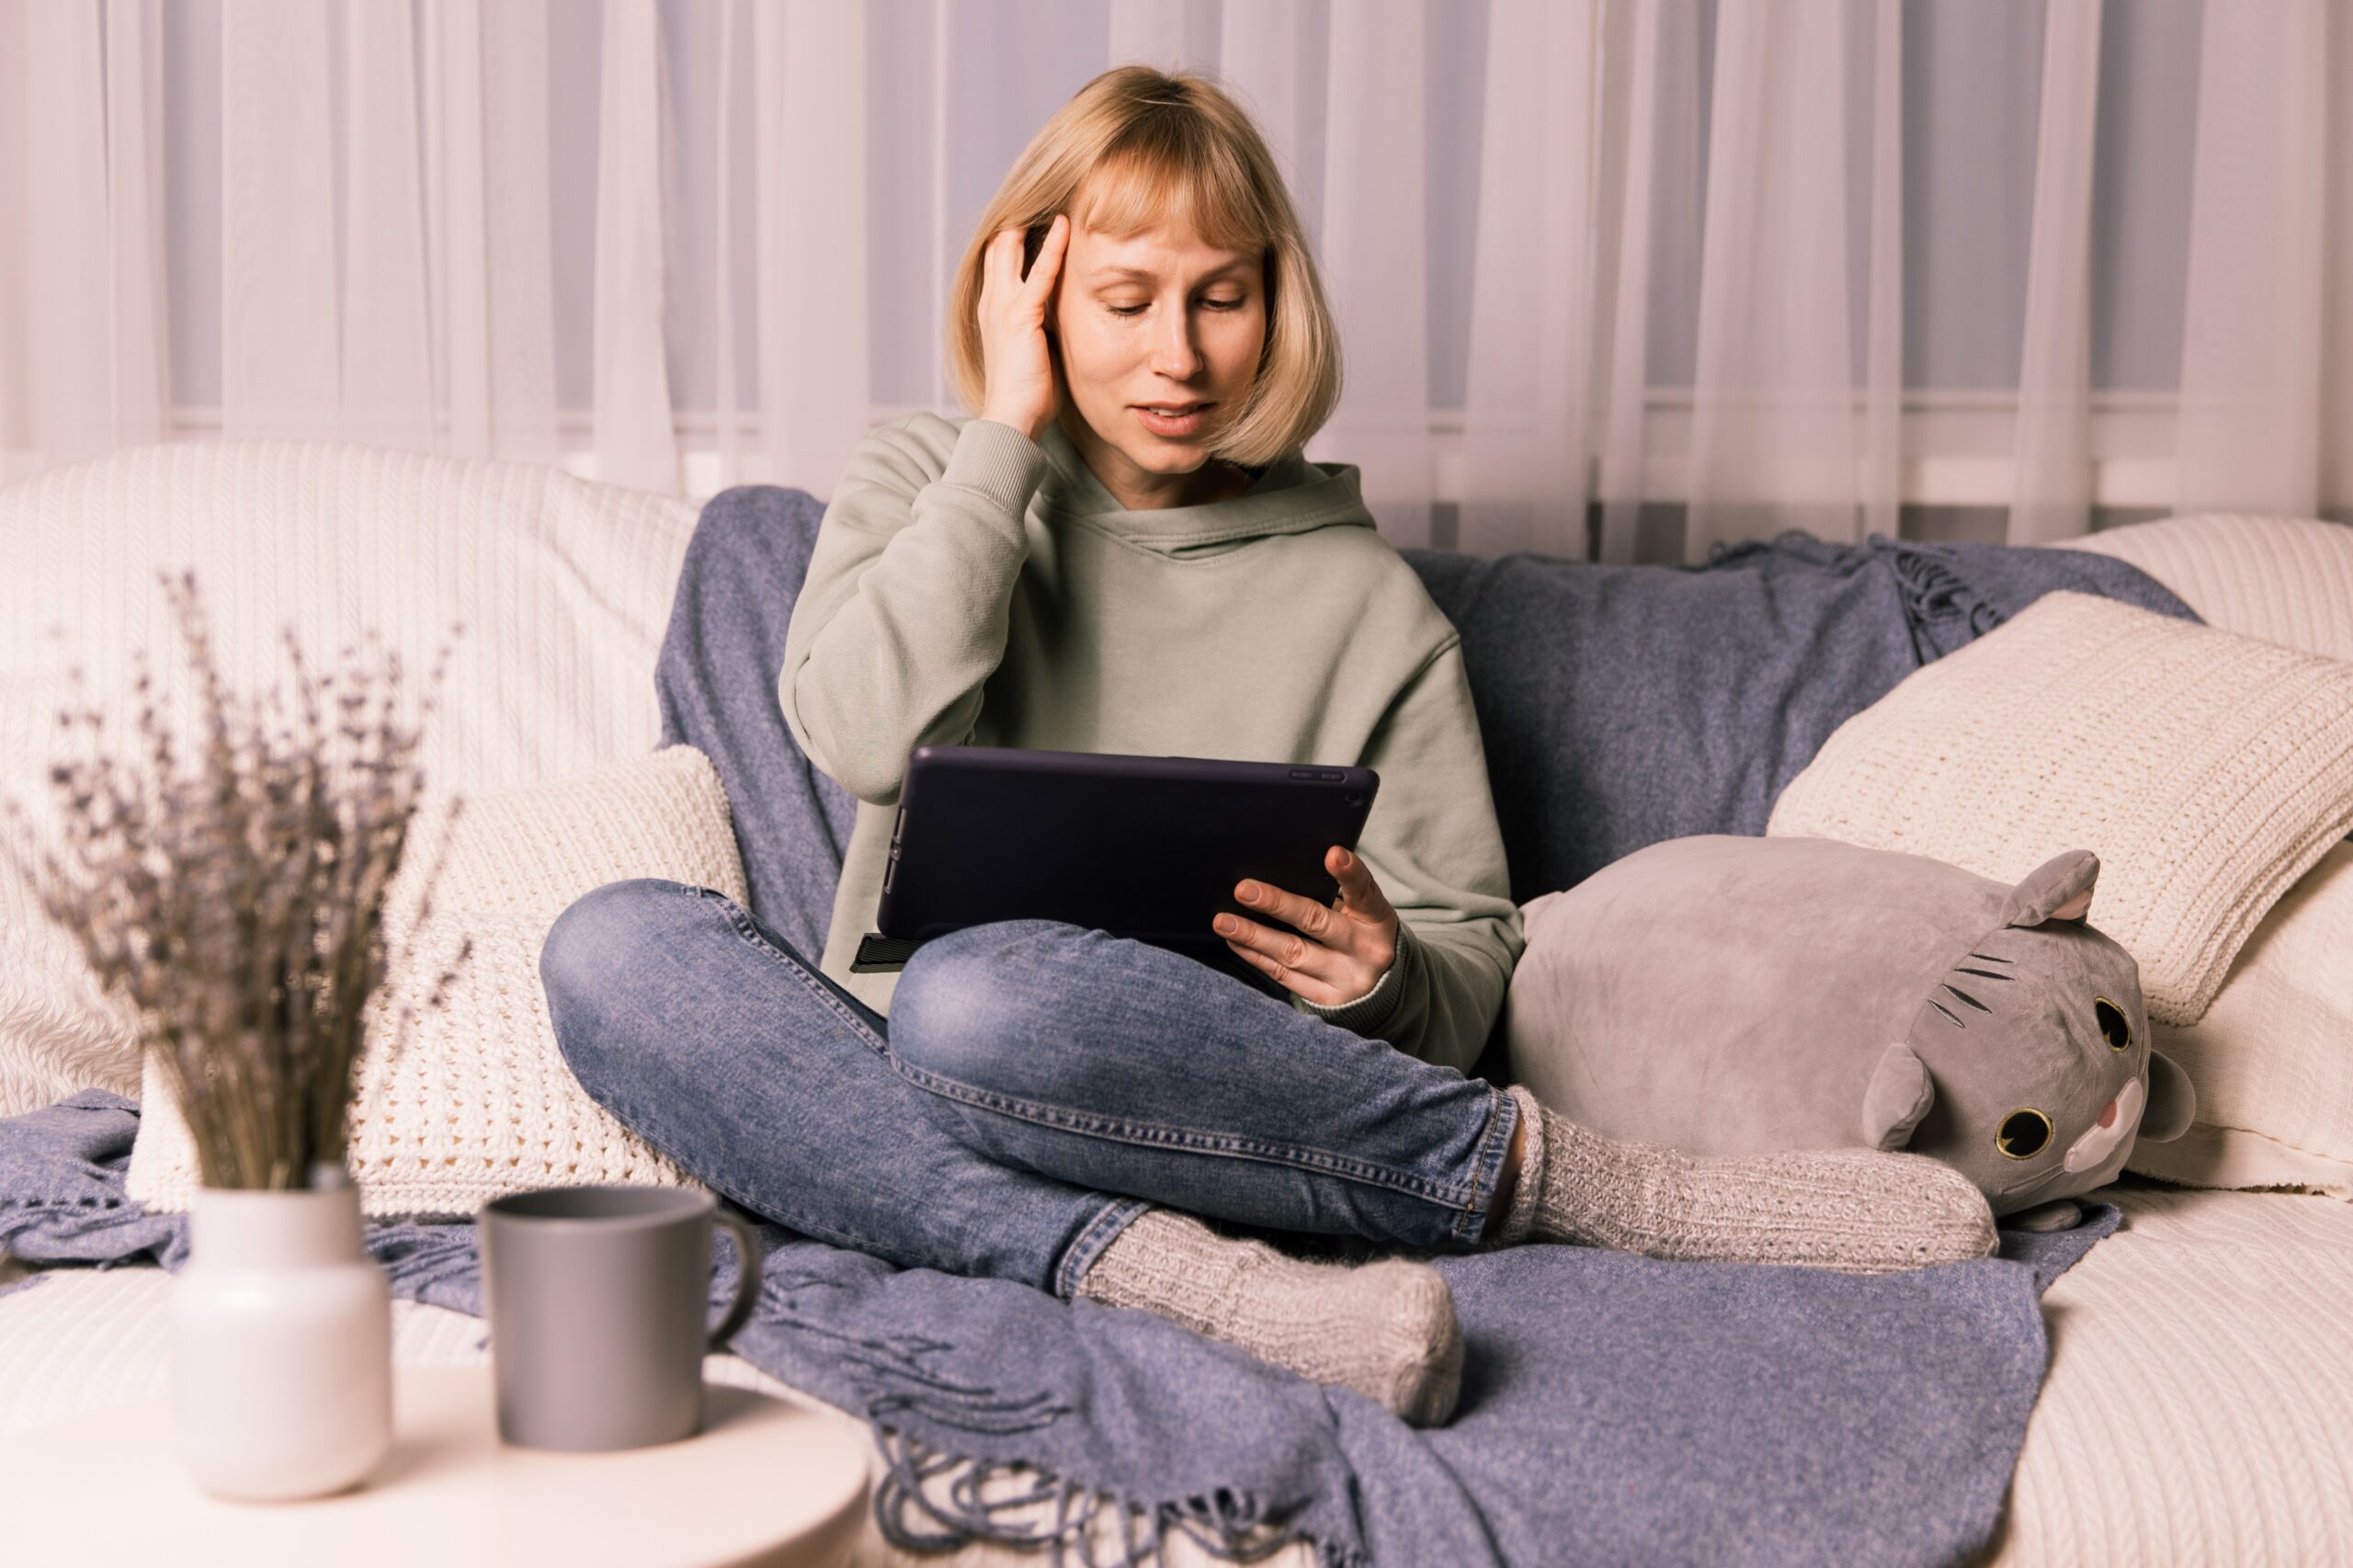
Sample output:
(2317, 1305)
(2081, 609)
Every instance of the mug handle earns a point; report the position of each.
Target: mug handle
(747, 1281)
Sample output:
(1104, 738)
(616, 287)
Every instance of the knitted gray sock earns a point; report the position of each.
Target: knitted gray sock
(1858, 1210)
(1385, 1329)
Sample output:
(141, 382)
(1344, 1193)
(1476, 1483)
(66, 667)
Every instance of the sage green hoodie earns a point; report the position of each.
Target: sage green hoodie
(971, 586)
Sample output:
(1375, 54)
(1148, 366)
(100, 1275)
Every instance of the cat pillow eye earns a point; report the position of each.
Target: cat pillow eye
(2114, 1028)
(2024, 1133)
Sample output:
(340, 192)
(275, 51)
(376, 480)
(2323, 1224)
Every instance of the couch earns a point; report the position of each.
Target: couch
(2198, 1405)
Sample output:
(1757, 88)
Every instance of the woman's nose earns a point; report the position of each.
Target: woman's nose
(1173, 354)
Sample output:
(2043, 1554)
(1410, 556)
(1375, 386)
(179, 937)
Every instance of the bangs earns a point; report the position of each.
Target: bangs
(1168, 173)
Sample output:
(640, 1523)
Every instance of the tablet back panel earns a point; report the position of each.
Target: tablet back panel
(1144, 846)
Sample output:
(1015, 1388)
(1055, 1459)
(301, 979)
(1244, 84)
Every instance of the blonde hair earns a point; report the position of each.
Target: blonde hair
(1159, 147)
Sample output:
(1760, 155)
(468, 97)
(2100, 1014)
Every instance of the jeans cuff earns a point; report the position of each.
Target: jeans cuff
(1098, 1233)
(1478, 1216)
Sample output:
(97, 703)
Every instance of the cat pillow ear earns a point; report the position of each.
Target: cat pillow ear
(1900, 1093)
(2173, 1102)
(2058, 888)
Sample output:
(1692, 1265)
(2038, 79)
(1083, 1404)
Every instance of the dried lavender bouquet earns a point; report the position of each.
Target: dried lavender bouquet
(239, 903)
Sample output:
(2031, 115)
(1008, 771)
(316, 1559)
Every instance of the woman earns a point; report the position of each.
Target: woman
(1126, 552)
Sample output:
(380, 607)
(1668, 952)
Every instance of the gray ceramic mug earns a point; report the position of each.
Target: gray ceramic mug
(598, 1299)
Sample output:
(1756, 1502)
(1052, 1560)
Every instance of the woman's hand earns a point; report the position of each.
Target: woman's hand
(1332, 954)
(1016, 361)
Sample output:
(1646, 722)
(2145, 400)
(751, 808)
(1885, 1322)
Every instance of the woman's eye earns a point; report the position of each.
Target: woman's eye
(1213, 304)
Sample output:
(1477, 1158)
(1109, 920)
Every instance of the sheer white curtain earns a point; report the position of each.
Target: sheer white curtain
(1625, 278)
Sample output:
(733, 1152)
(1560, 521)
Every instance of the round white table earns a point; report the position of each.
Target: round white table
(764, 1482)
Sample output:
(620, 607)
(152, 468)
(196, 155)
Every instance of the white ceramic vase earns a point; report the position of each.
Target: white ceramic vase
(282, 1344)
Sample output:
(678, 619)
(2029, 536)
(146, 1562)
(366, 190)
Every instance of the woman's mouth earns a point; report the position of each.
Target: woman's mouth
(1188, 419)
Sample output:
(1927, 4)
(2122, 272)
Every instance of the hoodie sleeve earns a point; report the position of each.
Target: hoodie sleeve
(1433, 843)
(902, 616)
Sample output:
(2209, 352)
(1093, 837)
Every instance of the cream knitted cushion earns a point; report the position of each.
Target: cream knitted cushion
(475, 1100)
(2207, 770)
(564, 588)
(2287, 580)
(2273, 1057)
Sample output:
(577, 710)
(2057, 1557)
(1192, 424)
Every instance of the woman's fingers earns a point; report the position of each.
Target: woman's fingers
(1289, 948)
(1332, 953)
(1358, 891)
(1281, 951)
(1312, 948)
(1317, 990)
(1300, 913)
(1050, 255)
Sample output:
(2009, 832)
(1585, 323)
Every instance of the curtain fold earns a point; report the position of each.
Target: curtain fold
(387, 324)
(2251, 362)
(2052, 474)
(281, 344)
(1657, 77)
(1774, 441)
(635, 442)
(134, 186)
(512, 254)
(69, 251)
(1882, 481)
(816, 385)
(2336, 302)
(457, 250)
(1260, 60)
(1625, 278)
(727, 395)
(1527, 401)
(1375, 263)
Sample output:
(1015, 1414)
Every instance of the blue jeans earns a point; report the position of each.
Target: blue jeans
(1035, 1086)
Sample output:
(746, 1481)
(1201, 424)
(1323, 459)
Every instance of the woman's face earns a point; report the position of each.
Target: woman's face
(1159, 319)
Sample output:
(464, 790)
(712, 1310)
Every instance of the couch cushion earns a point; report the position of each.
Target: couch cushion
(2272, 1059)
(562, 588)
(2287, 580)
(2207, 770)
(458, 1105)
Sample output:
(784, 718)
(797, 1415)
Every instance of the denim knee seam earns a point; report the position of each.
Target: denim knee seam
(1156, 1135)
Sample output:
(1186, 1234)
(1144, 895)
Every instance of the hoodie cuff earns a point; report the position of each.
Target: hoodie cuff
(1370, 1014)
(997, 460)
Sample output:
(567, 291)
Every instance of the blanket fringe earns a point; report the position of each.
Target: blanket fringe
(931, 1501)
(1934, 591)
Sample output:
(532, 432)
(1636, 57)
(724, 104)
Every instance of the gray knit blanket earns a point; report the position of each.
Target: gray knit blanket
(1622, 706)
(1615, 1408)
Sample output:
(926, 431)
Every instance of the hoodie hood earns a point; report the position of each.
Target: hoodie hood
(1291, 495)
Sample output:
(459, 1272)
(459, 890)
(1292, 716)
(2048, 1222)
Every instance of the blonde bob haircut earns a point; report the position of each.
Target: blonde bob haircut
(1146, 147)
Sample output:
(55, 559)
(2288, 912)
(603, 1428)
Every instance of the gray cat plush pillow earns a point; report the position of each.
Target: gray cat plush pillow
(1727, 995)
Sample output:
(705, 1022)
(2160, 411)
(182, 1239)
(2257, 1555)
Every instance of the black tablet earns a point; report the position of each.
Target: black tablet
(1144, 846)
